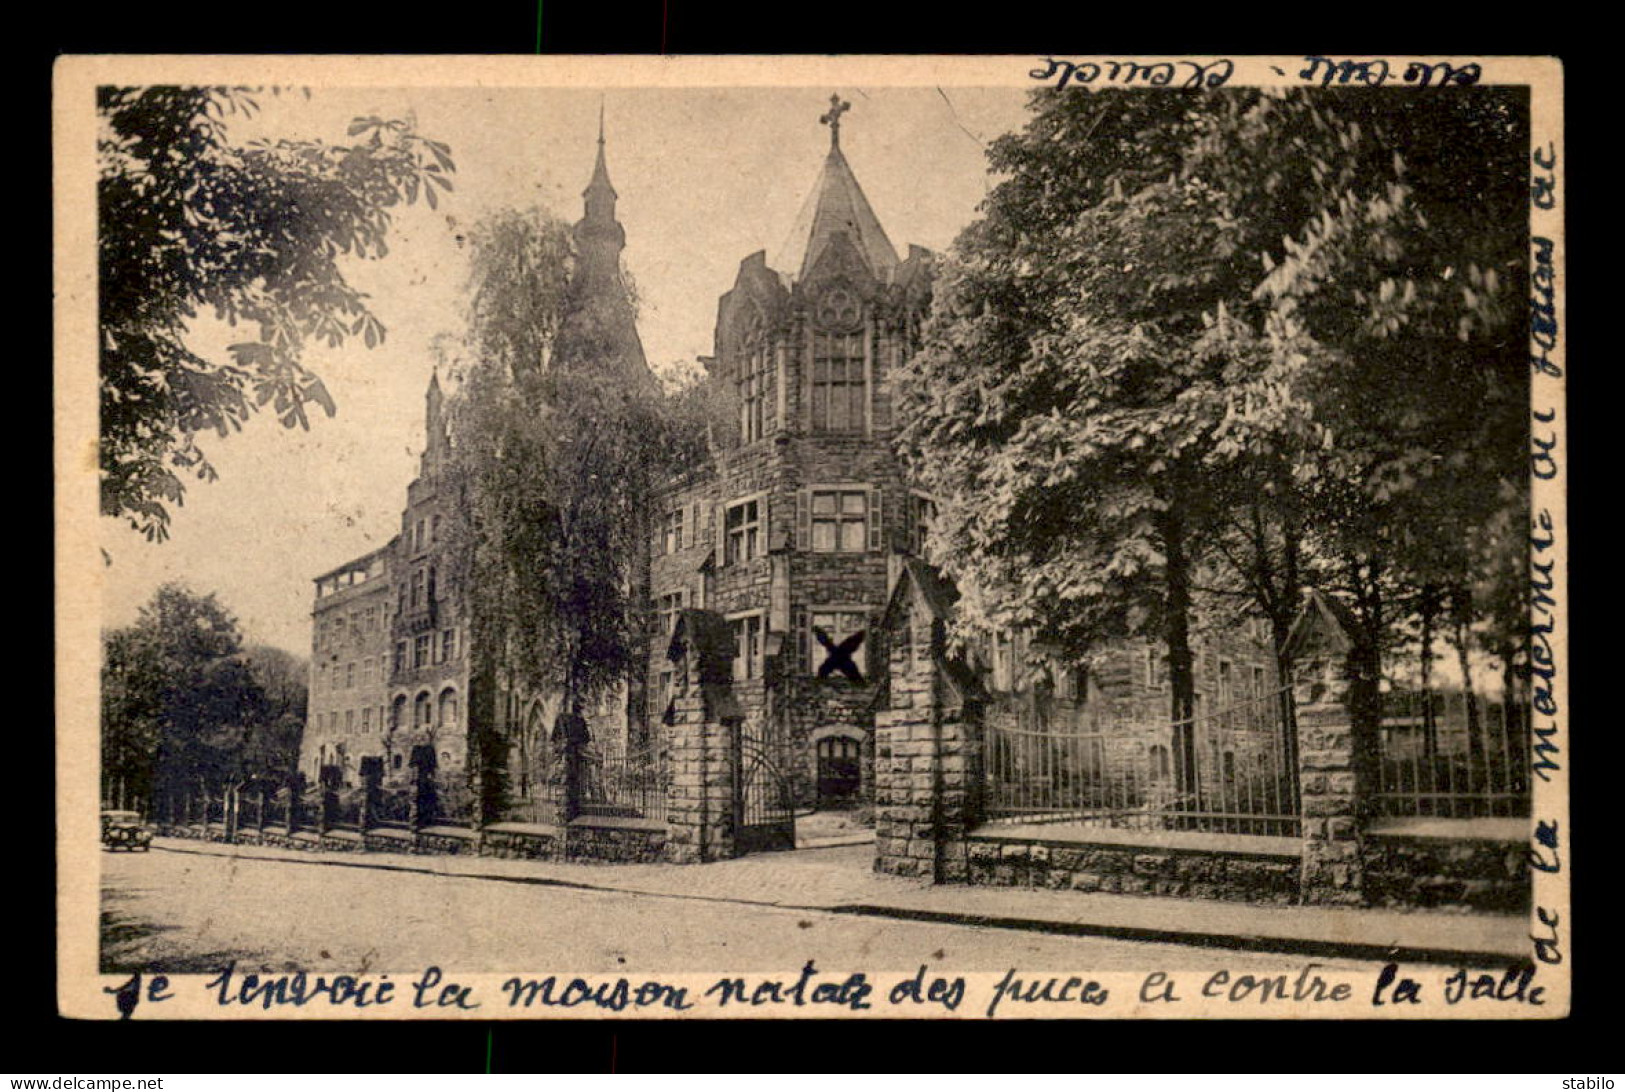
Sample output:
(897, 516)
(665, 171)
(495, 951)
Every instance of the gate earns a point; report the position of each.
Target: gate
(764, 805)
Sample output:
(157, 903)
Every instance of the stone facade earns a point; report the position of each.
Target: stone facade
(794, 528)
(392, 676)
(348, 712)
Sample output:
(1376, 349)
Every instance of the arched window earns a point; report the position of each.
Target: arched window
(448, 708)
(839, 388)
(422, 711)
(397, 713)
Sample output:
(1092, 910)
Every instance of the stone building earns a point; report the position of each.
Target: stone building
(389, 673)
(349, 674)
(392, 673)
(791, 534)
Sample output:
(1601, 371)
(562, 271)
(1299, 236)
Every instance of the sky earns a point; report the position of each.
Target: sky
(705, 177)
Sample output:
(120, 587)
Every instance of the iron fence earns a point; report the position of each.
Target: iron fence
(452, 805)
(624, 784)
(346, 811)
(307, 811)
(1452, 755)
(1230, 772)
(392, 809)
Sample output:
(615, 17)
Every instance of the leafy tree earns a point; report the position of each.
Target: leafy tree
(560, 440)
(191, 224)
(1227, 341)
(184, 705)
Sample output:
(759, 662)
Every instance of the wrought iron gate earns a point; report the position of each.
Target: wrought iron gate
(764, 805)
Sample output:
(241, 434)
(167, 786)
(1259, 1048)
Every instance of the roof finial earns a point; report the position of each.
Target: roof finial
(600, 121)
(833, 119)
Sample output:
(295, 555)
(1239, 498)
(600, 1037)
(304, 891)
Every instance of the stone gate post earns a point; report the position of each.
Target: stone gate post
(1334, 784)
(928, 740)
(699, 729)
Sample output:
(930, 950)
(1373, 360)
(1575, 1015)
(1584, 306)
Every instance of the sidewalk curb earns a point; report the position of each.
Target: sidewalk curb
(1238, 942)
(1298, 946)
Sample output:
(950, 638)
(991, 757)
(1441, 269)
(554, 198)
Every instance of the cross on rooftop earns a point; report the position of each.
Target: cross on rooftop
(833, 118)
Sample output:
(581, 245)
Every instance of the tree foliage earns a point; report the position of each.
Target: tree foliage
(1225, 344)
(184, 704)
(255, 235)
(560, 437)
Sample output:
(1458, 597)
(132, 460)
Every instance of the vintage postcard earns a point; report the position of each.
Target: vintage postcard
(993, 537)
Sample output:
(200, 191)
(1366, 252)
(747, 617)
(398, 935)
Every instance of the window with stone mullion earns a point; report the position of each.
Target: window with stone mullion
(753, 394)
(838, 387)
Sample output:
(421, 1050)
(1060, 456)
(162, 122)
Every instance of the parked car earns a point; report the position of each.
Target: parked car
(125, 830)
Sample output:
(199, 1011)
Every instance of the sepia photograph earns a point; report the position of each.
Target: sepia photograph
(974, 538)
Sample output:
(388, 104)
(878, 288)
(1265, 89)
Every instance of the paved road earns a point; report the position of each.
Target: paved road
(191, 913)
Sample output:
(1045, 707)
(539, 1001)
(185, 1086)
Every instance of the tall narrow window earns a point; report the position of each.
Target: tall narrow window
(753, 392)
(672, 530)
(669, 607)
(420, 650)
(743, 523)
(747, 647)
(838, 392)
(839, 388)
(922, 513)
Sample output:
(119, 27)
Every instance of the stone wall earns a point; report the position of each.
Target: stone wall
(585, 841)
(1486, 874)
(611, 841)
(1131, 870)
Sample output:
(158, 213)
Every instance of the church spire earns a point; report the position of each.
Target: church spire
(599, 194)
(600, 326)
(434, 425)
(836, 206)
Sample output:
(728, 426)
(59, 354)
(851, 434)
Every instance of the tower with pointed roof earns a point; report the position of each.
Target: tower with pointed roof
(796, 532)
(392, 678)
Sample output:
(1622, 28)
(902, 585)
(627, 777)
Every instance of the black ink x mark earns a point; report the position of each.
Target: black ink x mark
(840, 655)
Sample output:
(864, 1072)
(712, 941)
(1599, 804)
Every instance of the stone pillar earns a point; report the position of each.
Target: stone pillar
(1333, 826)
(927, 759)
(1335, 780)
(700, 792)
(290, 821)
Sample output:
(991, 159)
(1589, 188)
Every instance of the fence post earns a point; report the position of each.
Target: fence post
(701, 788)
(265, 806)
(295, 789)
(1332, 785)
(928, 742)
(228, 811)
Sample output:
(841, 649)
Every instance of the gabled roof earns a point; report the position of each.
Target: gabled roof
(937, 594)
(1324, 625)
(836, 205)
